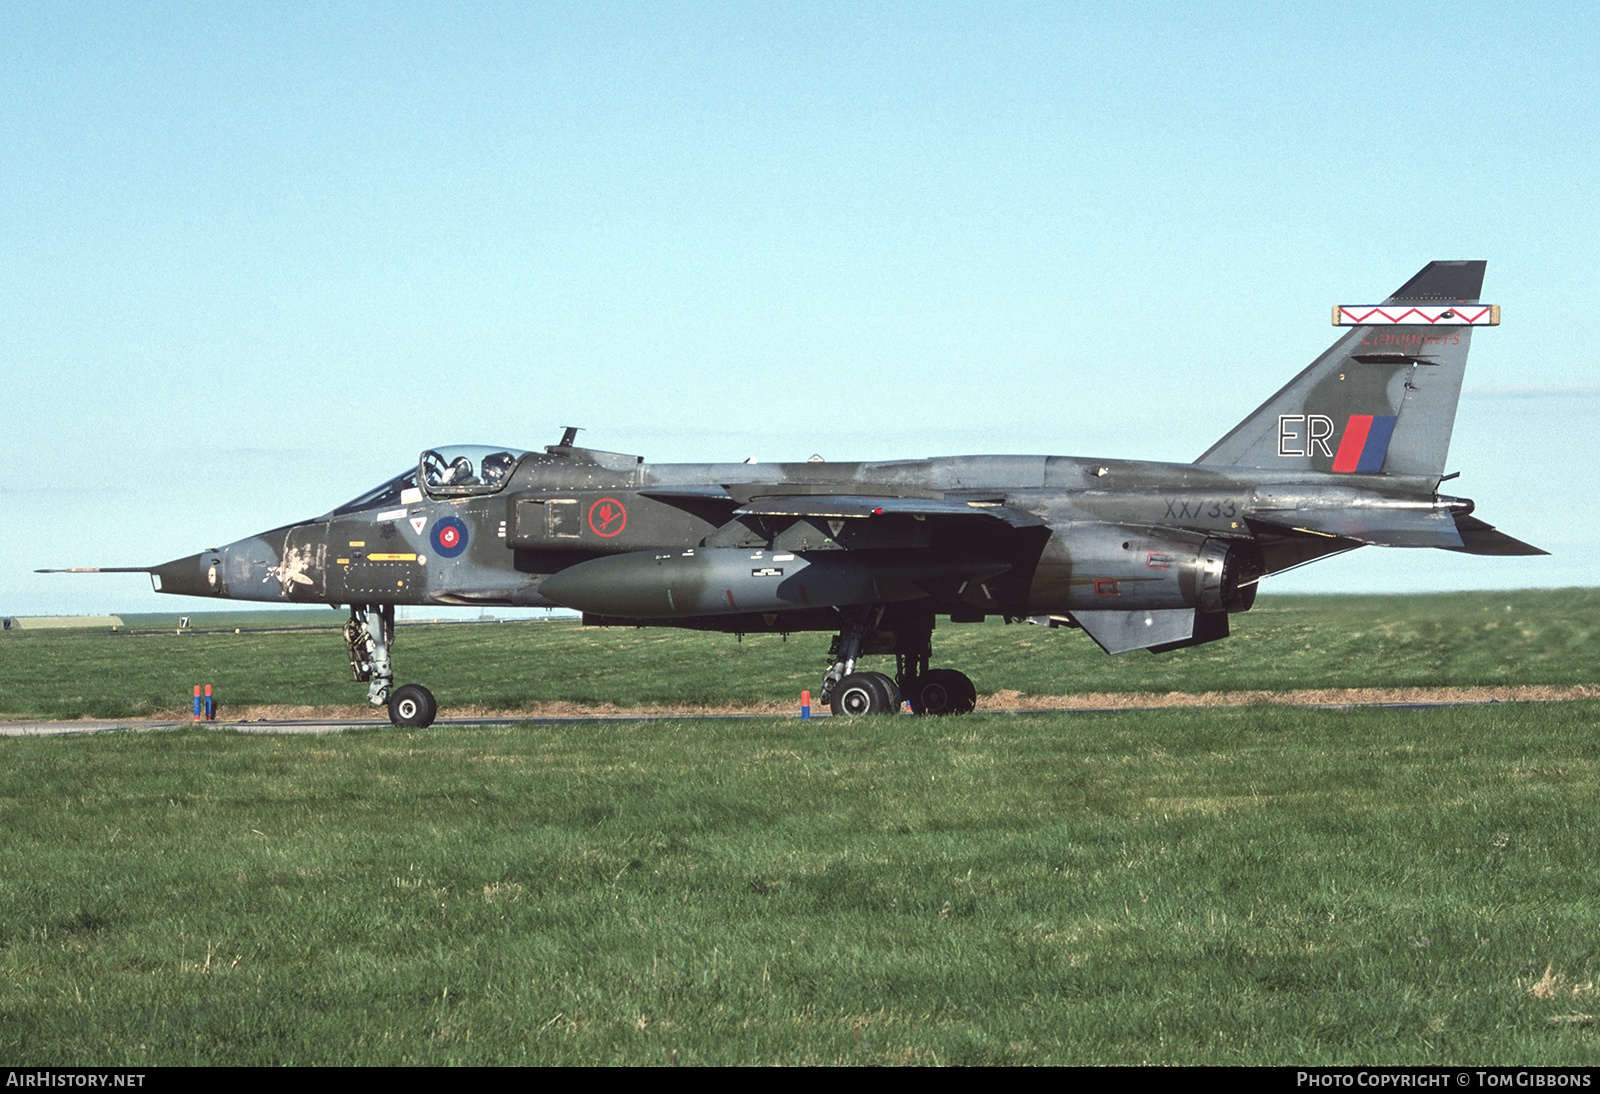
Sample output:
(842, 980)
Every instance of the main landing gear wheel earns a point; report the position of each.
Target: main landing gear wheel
(864, 693)
(941, 691)
(412, 706)
(888, 691)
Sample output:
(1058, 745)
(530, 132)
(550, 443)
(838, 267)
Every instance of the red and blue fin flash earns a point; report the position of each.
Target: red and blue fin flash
(1365, 443)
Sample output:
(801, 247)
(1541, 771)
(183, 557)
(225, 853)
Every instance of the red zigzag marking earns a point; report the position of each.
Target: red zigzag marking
(1362, 318)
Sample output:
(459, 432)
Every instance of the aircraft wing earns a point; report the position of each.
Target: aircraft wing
(854, 506)
(689, 492)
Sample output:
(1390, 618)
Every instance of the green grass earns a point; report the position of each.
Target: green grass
(167, 622)
(1547, 637)
(1258, 885)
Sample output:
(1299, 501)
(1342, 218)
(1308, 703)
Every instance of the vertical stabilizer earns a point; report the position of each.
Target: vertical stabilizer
(1382, 399)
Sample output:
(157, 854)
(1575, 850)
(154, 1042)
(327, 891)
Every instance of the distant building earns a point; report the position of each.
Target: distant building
(60, 622)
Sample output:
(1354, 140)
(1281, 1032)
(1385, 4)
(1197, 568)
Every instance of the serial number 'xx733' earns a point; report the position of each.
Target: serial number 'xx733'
(1201, 508)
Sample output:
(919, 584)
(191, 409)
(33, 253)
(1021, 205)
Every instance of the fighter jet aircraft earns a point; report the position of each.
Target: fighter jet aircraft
(1139, 555)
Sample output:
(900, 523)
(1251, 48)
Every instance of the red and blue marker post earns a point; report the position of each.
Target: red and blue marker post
(198, 706)
(805, 706)
(211, 705)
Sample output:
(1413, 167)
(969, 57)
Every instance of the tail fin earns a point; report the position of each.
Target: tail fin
(1382, 399)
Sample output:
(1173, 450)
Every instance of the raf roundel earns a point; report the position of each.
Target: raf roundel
(449, 536)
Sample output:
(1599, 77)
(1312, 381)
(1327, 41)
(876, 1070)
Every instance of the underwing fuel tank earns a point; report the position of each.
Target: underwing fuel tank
(731, 580)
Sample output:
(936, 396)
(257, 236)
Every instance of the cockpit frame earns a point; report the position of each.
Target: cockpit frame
(466, 470)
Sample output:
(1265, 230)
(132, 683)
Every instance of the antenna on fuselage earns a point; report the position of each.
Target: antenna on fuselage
(568, 435)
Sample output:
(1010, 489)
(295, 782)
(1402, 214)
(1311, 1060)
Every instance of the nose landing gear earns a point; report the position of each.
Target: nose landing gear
(412, 705)
(368, 638)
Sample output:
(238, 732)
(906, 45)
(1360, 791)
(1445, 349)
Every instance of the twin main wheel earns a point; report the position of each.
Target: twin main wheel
(941, 691)
(865, 693)
(412, 706)
(938, 691)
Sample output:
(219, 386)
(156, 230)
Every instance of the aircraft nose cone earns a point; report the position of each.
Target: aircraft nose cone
(195, 575)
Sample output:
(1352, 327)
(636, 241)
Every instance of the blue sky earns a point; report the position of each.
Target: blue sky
(254, 258)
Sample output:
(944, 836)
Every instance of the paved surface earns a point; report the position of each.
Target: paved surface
(58, 729)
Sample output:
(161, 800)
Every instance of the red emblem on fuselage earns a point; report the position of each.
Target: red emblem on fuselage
(607, 517)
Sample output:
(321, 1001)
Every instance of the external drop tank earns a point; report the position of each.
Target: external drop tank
(733, 580)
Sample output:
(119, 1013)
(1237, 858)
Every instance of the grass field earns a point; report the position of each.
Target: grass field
(1249, 885)
(1465, 639)
(1238, 886)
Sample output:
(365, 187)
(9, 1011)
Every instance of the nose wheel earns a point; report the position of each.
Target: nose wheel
(412, 706)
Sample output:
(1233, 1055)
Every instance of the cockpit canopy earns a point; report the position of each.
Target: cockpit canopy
(457, 471)
(445, 472)
(466, 469)
(392, 493)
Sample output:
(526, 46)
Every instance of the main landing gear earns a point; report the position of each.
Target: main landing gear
(908, 636)
(368, 637)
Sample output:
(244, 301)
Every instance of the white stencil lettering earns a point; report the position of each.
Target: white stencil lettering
(1290, 431)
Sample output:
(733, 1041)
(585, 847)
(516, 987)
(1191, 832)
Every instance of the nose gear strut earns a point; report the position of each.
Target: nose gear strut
(368, 638)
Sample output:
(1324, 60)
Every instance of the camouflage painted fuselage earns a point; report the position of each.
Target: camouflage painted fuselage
(1141, 555)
